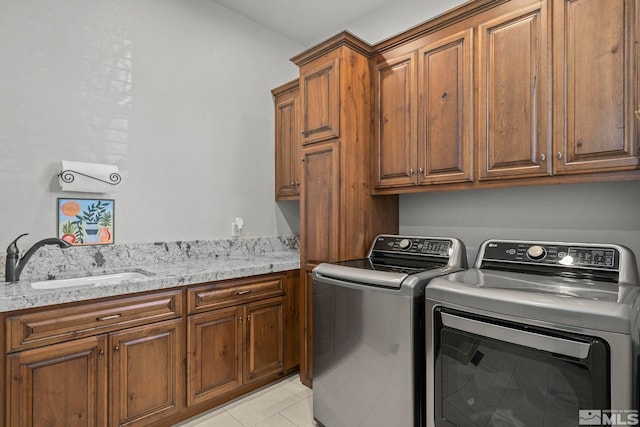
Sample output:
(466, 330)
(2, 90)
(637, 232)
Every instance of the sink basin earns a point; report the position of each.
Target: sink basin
(100, 280)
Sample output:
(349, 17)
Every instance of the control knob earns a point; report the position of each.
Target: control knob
(404, 244)
(536, 252)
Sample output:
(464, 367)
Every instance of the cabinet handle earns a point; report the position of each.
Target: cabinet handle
(116, 349)
(638, 112)
(101, 354)
(110, 317)
(240, 319)
(543, 157)
(559, 155)
(243, 292)
(248, 317)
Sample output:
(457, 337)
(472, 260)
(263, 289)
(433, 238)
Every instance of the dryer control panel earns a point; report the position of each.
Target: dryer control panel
(560, 255)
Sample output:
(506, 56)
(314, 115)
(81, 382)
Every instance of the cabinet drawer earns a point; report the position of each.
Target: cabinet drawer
(53, 325)
(223, 294)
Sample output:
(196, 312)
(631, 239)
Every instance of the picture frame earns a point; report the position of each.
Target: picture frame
(83, 222)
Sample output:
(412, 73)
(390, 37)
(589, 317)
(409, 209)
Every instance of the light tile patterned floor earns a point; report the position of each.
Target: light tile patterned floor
(285, 404)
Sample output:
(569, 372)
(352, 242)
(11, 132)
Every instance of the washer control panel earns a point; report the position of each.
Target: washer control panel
(412, 245)
(553, 254)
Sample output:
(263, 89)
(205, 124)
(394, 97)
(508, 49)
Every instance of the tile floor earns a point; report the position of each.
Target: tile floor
(286, 403)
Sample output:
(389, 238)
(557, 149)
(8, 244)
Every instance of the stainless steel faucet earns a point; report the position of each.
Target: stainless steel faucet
(15, 264)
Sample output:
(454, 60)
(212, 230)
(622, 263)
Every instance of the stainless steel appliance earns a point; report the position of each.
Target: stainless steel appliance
(368, 331)
(536, 334)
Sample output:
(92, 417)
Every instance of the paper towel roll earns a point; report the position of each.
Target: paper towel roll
(88, 177)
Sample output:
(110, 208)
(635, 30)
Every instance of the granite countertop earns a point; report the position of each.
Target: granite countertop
(160, 275)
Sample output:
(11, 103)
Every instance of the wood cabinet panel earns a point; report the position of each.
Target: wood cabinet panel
(320, 100)
(233, 292)
(595, 54)
(445, 88)
(49, 326)
(147, 374)
(513, 106)
(395, 123)
(40, 382)
(319, 202)
(215, 358)
(287, 142)
(306, 331)
(264, 338)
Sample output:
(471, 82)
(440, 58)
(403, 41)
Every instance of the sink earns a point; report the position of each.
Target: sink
(99, 280)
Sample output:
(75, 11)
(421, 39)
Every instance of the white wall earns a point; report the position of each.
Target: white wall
(607, 212)
(397, 16)
(175, 92)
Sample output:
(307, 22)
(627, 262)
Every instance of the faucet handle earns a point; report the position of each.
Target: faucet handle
(13, 247)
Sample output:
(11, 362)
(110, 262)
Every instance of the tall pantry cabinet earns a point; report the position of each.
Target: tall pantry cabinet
(339, 217)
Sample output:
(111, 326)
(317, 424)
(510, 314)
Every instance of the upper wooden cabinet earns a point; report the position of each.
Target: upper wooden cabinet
(395, 110)
(445, 109)
(595, 52)
(424, 113)
(320, 99)
(514, 137)
(287, 141)
(509, 92)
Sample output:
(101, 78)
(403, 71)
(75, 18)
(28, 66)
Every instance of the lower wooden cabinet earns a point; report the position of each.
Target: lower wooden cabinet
(65, 385)
(62, 385)
(146, 373)
(124, 361)
(215, 353)
(233, 346)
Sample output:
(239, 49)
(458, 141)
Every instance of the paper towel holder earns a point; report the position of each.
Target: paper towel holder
(97, 173)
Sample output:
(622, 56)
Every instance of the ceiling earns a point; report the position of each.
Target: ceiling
(305, 21)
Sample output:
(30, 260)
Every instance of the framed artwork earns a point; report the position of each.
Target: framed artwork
(84, 222)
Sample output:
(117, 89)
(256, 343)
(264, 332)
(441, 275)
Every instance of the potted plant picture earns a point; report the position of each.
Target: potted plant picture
(86, 221)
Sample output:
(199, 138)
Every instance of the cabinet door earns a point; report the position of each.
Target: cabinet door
(596, 84)
(395, 121)
(320, 99)
(319, 202)
(287, 143)
(513, 109)
(264, 334)
(214, 361)
(146, 373)
(61, 385)
(445, 88)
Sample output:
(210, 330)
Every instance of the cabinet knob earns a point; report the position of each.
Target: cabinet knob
(101, 354)
(411, 171)
(116, 349)
(559, 155)
(543, 157)
(421, 171)
(248, 317)
(638, 112)
(302, 159)
(302, 133)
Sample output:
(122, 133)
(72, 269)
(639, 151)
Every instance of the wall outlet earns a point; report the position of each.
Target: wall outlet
(236, 227)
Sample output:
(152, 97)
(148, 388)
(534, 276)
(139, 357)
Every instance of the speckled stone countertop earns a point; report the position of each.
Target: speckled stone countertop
(165, 265)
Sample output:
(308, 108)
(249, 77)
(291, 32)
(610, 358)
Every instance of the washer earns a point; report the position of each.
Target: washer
(537, 333)
(368, 331)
